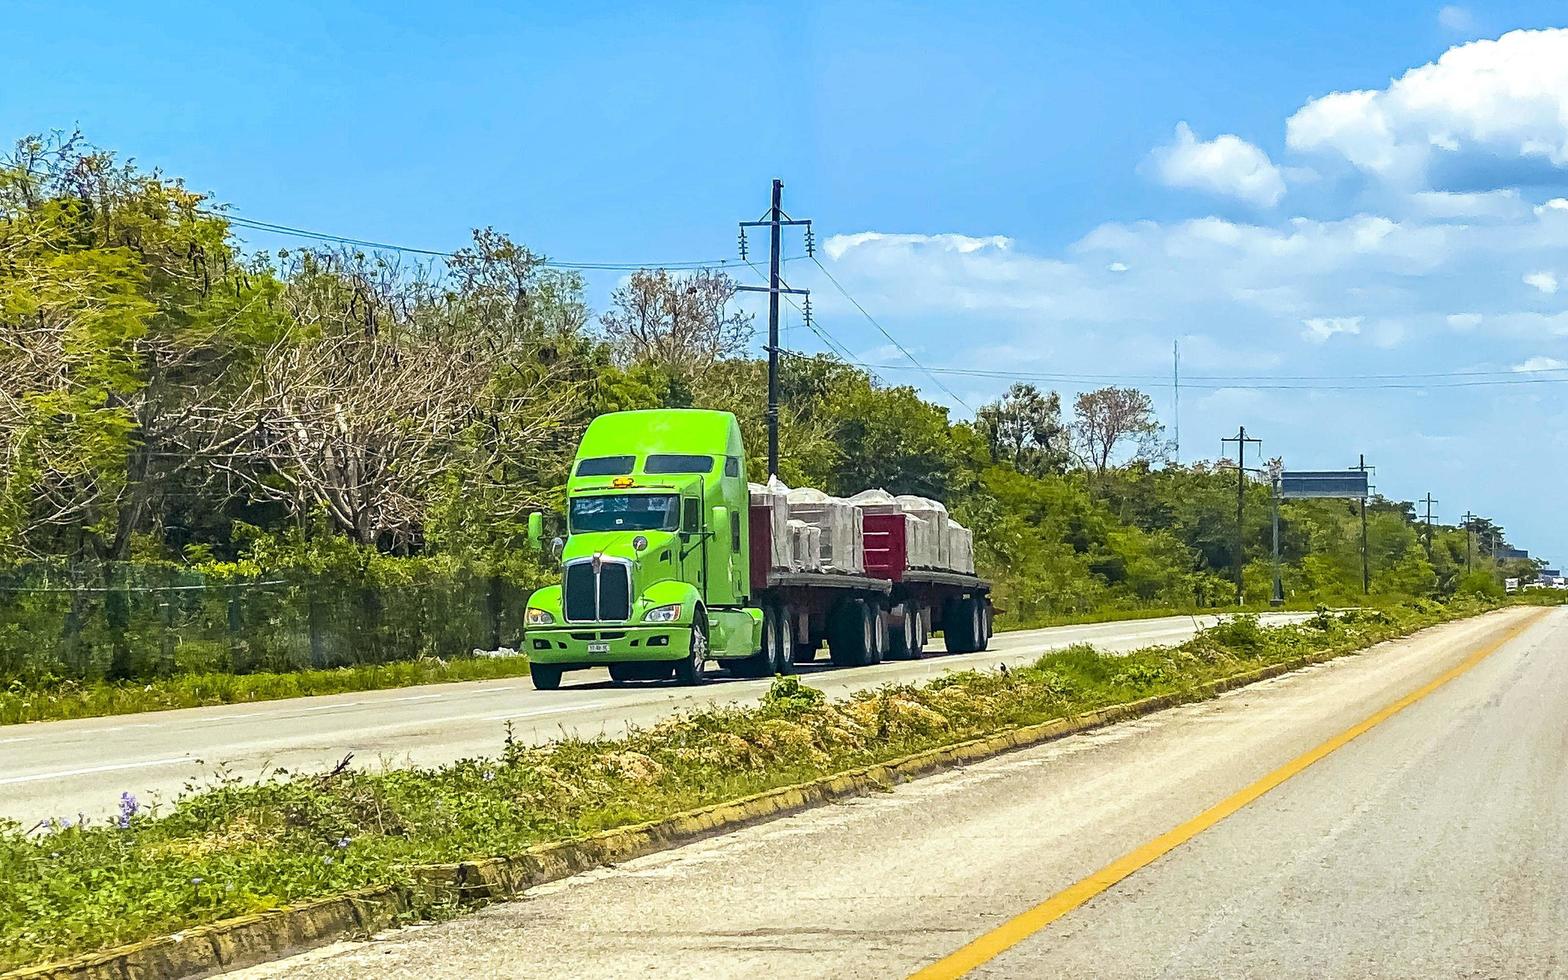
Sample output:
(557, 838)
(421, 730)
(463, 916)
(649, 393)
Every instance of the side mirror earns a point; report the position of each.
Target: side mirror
(535, 529)
(556, 547)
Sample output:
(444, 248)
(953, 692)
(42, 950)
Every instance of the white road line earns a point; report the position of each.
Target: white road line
(63, 773)
(4, 741)
(329, 707)
(417, 697)
(543, 711)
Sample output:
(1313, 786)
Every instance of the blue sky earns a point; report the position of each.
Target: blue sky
(1047, 188)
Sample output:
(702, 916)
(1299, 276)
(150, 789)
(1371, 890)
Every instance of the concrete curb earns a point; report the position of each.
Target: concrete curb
(248, 940)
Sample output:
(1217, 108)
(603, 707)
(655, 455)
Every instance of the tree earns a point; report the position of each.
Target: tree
(122, 303)
(396, 391)
(1107, 419)
(1024, 429)
(682, 322)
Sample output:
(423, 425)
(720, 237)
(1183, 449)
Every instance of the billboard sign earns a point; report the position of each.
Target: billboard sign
(1299, 484)
(1512, 554)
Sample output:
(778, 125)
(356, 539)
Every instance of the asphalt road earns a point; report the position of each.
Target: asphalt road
(1434, 844)
(64, 768)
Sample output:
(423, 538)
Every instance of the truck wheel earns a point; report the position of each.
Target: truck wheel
(693, 670)
(621, 673)
(958, 626)
(784, 662)
(547, 677)
(983, 627)
(850, 634)
(763, 663)
(903, 635)
(877, 648)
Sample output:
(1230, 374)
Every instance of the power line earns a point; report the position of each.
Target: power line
(1241, 382)
(891, 339)
(270, 227)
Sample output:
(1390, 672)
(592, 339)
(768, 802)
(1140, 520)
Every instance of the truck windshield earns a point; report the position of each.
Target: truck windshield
(626, 512)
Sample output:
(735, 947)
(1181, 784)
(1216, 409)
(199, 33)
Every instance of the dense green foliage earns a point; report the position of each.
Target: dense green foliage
(235, 848)
(370, 437)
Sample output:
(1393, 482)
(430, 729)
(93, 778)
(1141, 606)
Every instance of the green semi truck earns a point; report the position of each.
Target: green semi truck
(665, 570)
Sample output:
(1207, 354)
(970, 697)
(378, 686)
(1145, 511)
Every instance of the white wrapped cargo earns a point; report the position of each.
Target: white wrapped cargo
(841, 524)
(961, 547)
(775, 497)
(932, 550)
(805, 546)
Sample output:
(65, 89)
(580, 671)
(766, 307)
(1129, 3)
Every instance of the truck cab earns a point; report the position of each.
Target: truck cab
(655, 567)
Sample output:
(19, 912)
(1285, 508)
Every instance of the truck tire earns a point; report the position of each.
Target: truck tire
(850, 634)
(784, 662)
(958, 626)
(903, 639)
(766, 661)
(546, 677)
(693, 669)
(983, 630)
(877, 649)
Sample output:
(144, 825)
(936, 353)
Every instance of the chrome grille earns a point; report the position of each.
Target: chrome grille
(602, 597)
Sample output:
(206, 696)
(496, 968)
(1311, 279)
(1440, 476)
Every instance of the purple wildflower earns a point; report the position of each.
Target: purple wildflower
(128, 809)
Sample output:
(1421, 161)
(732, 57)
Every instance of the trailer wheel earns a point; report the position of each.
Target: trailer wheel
(904, 635)
(850, 634)
(984, 630)
(546, 677)
(877, 648)
(958, 626)
(693, 670)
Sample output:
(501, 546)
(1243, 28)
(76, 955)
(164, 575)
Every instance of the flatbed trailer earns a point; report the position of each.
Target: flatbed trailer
(890, 612)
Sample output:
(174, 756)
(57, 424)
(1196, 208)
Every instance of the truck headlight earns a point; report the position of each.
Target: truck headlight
(537, 617)
(663, 614)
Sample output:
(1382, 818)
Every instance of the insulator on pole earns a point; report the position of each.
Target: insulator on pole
(743, 255)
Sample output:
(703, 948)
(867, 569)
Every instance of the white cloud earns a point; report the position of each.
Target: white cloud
(1319, 329)
(1540, 363)
(1464, 321)
(1456, 19)
(1117, 267)
(1505, 203)
(1544, 281)
(1482, 115)
(838, 245)
(1226, 165)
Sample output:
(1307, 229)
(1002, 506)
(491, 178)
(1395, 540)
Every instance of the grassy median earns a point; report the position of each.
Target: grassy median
(69, 886)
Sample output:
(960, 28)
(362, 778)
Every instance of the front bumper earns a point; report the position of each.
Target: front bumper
(570, 645)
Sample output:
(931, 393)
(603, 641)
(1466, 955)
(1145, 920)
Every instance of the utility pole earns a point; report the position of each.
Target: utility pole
(1240, 439)
(1469, 520)
(1176, 405)
(1429, 502)
(775, 221)
(1278, 598)
(1366, 561)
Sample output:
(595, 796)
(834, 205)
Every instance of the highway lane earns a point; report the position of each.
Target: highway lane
(70, 767)
(1430, 845)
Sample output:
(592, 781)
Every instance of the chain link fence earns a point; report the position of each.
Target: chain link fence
(137, 622)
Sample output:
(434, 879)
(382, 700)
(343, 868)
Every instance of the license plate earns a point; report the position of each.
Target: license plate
(598, 648)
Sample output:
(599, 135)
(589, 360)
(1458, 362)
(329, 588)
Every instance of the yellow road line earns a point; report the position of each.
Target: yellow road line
(1016, 930)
